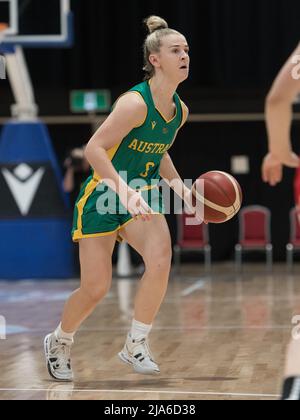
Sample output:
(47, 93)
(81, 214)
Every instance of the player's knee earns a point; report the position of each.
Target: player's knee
(95, 292)
(160, 258)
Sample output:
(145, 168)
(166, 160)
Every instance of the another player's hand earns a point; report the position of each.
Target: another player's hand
(272, 170)
(137, 206)
(272, 167)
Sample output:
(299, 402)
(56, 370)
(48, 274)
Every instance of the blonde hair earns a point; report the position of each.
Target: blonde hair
(158, 28)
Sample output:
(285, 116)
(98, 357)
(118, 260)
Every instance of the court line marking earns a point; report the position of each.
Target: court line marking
(191, 289)
(193, 328)
(182, 328)
(139, 391)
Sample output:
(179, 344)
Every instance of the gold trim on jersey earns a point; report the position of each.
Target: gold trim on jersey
(160, 113)
(184, 119)
(184, 114)
(111, 153)
(79, 235)
(82, 202)
(90, 188)
(164, 118)
(147, 188)
(120, 239)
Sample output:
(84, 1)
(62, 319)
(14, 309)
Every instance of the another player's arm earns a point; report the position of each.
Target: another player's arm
(279, 108)
(68, 182)
(130, 112)
(279, 119)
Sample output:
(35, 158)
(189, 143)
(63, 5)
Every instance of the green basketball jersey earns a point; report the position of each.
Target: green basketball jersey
(136, 157)
(140, 153)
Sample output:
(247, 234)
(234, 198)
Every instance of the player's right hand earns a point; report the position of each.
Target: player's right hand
(272, 167)
(137, 206)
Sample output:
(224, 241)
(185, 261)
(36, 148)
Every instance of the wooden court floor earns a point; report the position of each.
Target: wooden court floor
(217, 337)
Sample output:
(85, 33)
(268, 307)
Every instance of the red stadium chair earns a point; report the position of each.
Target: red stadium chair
(294, 244)
(192, 239)
(254, 233)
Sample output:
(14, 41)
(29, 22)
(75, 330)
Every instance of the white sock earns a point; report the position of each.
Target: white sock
(61, 334)
(139, 330)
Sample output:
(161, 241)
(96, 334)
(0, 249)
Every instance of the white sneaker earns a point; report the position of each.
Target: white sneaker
(57, 352)
(137, 354)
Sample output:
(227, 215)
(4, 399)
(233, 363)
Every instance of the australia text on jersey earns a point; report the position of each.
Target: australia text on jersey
(149, 148)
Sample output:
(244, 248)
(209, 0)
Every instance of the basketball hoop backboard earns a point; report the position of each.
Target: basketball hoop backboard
(37, 23)
(8, 15)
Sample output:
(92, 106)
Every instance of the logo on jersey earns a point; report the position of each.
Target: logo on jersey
(165, 131)
(23, 183)
(153, 123)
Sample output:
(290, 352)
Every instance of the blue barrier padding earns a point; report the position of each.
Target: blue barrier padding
(33, 245)
(29, 142)
(37, 249)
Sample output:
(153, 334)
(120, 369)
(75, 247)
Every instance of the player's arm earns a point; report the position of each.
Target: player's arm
(169, 173)
(130, 112)
(279, 112)
(167, 169)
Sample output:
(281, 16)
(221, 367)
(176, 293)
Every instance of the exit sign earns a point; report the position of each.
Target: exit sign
(90, 100)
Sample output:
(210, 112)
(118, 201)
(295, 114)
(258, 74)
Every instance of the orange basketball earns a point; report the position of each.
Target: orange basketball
(217, 196)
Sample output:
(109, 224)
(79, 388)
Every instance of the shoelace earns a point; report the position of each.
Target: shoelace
(62, 354)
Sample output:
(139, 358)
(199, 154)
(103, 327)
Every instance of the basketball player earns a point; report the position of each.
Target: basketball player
(279, 119)
(135, 138)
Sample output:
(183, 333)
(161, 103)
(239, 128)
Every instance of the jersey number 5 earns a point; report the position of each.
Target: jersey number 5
(149, 166)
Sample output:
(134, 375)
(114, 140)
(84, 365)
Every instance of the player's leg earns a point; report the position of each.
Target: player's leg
(152, 241)
(291, 387)
(96, 275)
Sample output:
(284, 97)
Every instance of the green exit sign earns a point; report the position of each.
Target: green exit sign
(90, 100)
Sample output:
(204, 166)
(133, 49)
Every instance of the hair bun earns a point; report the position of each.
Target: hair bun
(155, 23)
